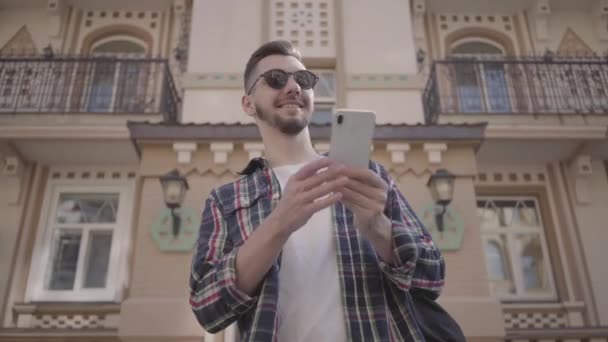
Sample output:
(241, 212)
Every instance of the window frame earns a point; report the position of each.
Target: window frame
(513, 263)
(117, 275)
(481, 74)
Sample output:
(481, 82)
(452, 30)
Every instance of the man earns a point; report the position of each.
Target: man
(301, 248)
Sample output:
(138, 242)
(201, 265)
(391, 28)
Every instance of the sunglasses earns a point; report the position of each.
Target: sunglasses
(277, 79)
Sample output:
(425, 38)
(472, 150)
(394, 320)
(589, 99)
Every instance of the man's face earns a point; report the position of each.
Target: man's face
(287, 109)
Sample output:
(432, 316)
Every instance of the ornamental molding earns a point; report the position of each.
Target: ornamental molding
(384, 81)
(206, 80)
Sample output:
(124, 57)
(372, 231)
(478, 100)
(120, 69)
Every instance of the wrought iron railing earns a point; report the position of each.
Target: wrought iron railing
(88, 85)
(517, 86)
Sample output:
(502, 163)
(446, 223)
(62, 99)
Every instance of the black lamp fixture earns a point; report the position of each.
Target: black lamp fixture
(441, 185)
(47, 52)
(174, 190)
(420, 56)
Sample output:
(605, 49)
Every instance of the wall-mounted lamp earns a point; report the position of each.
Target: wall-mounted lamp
(420, 56)
(441, 185)
(47, 52)
(174, 190)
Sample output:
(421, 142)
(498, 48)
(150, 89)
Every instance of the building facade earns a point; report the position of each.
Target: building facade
(99, 100)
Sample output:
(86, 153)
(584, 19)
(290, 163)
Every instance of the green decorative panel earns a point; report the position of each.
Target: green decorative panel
(451, 237)
(162, 230)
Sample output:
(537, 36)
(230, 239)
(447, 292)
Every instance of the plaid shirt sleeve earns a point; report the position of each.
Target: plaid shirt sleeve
(418, 262)
(214, 297)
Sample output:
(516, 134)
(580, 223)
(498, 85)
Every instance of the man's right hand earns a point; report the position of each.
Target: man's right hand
(307, 191)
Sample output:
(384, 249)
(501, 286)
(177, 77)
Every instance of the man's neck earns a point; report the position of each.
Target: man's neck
(282, 149)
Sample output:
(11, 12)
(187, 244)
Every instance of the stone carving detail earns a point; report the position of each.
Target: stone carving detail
(539, 320)
(573, 45)
(306, 24)
(20, 44)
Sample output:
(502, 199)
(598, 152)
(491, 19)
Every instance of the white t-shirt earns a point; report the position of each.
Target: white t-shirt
(310, 305)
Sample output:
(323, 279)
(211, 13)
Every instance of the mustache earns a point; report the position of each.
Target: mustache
(301, 101)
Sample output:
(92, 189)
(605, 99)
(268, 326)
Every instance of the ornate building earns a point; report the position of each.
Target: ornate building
(99, 100)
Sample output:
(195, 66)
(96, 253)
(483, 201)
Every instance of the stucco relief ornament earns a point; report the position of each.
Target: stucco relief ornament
(184, 239)
(450, 239)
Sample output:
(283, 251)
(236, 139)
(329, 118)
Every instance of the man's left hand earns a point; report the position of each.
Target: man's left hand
(365, 194)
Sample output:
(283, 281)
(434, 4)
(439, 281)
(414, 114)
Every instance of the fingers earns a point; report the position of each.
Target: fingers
(325, 189)
(331, 173)
(358, 201)
(365, 176)
(323, 203)
(367, 191)
(312, 168)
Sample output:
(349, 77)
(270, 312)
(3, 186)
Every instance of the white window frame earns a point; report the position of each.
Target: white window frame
(117, 268)
(513, 262)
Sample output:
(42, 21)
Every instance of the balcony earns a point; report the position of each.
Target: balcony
(87, 85)
(533, 86)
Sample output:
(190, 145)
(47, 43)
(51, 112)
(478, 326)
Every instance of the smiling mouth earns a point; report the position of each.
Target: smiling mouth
(291, 105)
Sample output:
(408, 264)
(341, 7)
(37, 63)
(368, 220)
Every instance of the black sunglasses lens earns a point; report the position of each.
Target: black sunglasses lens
(305, 79)
(276, 79)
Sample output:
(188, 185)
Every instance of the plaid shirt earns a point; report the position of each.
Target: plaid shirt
(375, 298)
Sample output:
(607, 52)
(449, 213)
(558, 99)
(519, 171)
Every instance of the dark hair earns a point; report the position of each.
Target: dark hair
(275, 47)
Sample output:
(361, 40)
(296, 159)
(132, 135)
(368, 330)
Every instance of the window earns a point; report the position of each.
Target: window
(118, 84)
(516, 252)
(481, 86)
(325, 96)
(81, 246)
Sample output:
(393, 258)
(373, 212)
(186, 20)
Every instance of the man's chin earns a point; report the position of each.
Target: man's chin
(292, 127)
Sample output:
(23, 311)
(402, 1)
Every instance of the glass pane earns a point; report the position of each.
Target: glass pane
(533, 266)
(87, 208)
(496, 88)
(65, 260)
(119, 46)
(98, 257)
(468, 90)
(476, 48)
(102, 87)
(499, 273)
(488, 215)
(326, 87)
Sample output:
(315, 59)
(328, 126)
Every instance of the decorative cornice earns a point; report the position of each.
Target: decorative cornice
(190, 132)
(206, 80)
(385, 81)
(398, 152)
(434, 151)
(545, 132)
(64, 132)
(184, 151)
(220, 151)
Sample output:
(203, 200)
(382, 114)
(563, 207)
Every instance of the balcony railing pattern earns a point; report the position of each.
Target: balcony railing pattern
(517, 86)
(87, 85)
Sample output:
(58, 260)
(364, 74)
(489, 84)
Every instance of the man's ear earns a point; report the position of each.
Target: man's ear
(248, 105)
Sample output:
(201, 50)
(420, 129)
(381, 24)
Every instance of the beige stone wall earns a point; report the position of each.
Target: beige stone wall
(35, 19)
(584, 23)
(13, 200)
(591, 223)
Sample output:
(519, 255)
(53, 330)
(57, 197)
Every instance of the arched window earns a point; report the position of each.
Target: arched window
(481, 84)
(119, 46)
(476, 48)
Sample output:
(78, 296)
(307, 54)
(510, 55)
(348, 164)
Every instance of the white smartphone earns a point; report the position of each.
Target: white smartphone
(352, 132)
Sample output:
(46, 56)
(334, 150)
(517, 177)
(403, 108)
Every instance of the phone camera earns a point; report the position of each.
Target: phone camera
(340, 119)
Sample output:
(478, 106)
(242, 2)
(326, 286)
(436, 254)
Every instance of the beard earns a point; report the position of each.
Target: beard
(288, 126)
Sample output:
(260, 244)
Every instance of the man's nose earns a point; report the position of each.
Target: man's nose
(292, 86)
